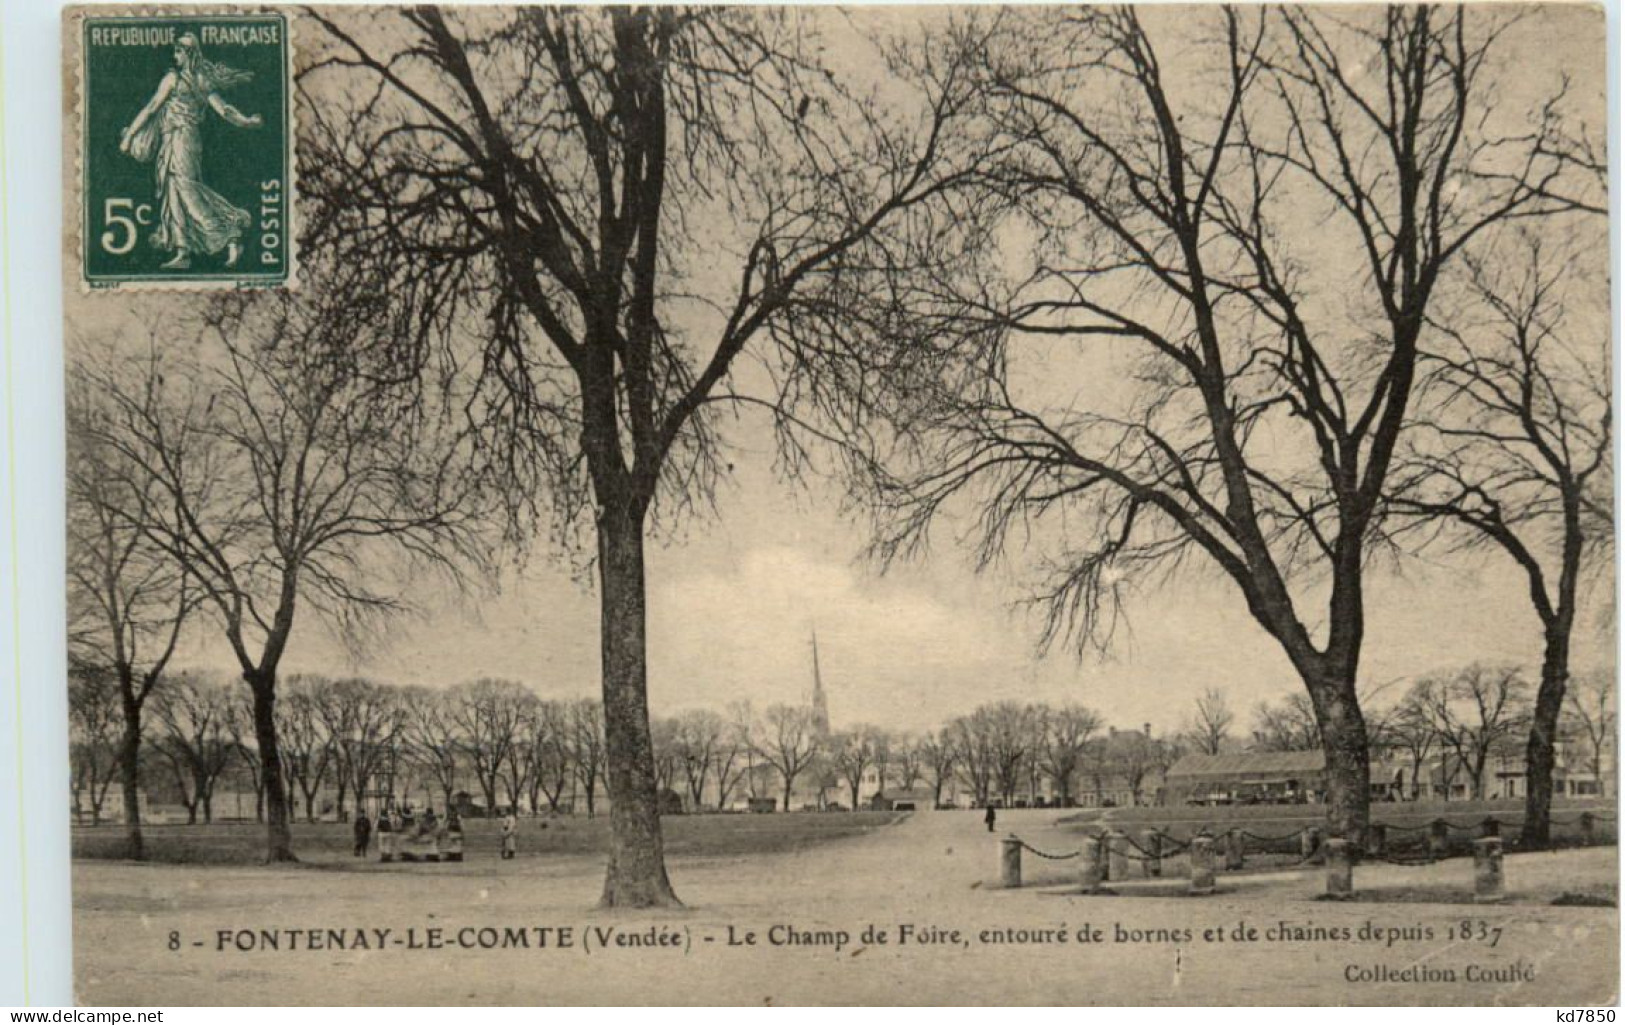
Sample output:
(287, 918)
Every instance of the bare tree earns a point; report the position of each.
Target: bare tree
(853, 753)
(1014, 733)
(735, 759)
(1067, 734)
(432, 743)
(240, 727)
(701, 736)
(940, 757)
(664, 740)
(520, 765)
(550, 745)
(363, 720)
(490, 720)
(1204, 238)
(94, 724)
(970, 738)
(307, 745)
(1475, 712)
(1592, 714)
(127, 600)
(906, 750)
(1288, 726)
(577, 213)
(886, 744)
(1209, 727)
(1515, 452)
(1411, 731)
(587, 749)
(787, 739)
(276, 467)
(1132, 756)
(193, 712)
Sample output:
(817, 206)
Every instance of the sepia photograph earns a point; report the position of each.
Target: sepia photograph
(840, 505)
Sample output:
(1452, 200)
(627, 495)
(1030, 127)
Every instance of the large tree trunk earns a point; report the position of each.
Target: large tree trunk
(1541, 754)
(278, 837)
(129, 771)
(636, 876)
(1348, 758)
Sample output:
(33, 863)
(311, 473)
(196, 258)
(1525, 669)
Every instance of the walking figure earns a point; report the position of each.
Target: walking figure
(990, 818)
(363, 834)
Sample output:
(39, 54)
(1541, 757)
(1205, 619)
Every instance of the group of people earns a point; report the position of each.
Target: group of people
(427, 838)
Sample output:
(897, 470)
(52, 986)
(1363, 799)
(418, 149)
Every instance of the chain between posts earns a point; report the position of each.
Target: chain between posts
(1047, 856)
(1176, 847)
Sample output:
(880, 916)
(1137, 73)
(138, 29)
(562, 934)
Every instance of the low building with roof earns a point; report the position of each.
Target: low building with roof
(1247, 777)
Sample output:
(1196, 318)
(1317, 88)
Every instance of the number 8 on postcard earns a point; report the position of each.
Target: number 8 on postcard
(185, 150)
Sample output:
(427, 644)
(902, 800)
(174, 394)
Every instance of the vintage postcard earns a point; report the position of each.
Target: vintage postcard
(872, 505)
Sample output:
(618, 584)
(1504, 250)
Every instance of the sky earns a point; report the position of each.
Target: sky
(734, 604)
(734, 608)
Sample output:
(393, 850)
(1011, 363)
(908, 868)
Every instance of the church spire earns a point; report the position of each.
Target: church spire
(820, 706)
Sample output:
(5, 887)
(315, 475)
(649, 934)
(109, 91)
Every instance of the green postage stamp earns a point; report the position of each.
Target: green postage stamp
(185, 150)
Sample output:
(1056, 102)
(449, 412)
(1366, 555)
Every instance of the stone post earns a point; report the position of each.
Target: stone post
(1152, 842)
(1235, 850)
(1588, 828)
(1310, 846)
(1438, 838)
(1116, 855)
(1489, 882)
(1092, 867)
(1339, 869)
(1010, 877)
(1201, 865)
(1376, 839)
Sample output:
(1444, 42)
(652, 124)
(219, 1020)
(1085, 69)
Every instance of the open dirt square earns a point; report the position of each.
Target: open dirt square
(805, 926)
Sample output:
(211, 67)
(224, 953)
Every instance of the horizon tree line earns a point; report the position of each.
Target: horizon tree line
(352, 743)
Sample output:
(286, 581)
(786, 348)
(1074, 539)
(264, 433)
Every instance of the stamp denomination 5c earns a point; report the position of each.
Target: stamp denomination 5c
(185, 150)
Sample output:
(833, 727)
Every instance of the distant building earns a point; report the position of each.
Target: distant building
(910, 799)
(1253, 777)
(1249, 777)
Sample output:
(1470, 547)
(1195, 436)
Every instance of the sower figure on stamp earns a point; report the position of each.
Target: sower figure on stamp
(191, 216)
(363, 834)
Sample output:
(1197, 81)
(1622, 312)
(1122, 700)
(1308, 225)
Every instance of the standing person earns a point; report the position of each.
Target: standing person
(386, 837)
(429, 833)
(454, 836)
(990, 818)
(510, 835)
(363, 834)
